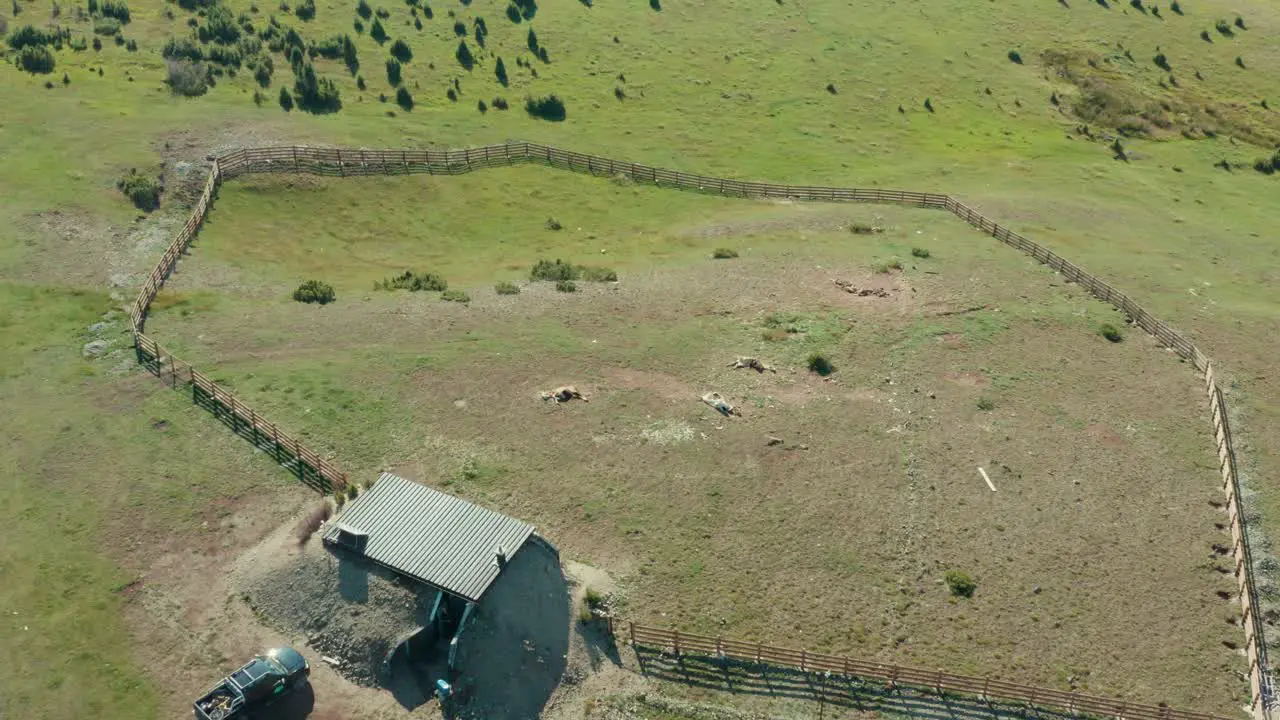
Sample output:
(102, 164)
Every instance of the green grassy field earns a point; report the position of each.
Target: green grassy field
(733, 88)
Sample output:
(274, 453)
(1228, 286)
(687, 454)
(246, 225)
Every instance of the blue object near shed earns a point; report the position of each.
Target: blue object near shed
(443, 689)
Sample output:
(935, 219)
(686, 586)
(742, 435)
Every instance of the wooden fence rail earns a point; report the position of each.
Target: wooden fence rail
(678, 643)
(350, 162)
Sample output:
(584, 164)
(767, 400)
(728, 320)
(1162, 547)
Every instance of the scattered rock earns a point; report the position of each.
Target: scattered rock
(96, 348)
(97, 327)
(774, 441)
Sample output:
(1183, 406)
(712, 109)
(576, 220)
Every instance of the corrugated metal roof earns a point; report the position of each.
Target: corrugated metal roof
(436, 538)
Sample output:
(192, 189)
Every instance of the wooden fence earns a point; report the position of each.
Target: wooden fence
(677, 643)
(358, 162)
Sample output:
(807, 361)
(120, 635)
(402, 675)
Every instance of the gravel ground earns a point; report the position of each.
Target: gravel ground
(346, 609)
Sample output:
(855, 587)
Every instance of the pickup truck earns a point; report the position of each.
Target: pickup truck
(258, 684)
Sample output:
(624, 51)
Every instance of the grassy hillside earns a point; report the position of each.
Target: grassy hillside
(737, 88)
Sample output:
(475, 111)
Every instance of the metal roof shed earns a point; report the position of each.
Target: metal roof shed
(438, 539)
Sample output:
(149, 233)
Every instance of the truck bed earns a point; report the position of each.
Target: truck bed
(221, 703)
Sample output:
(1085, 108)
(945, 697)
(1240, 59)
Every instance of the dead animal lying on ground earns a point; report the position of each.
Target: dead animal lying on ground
(717, 401)
(852, 289)
(750, 362)
(563, 394)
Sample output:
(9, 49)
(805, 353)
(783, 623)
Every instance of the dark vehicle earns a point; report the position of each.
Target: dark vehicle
(261, 682)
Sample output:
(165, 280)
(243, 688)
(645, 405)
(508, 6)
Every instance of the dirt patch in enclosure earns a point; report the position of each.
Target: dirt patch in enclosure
(662, 385)
(1105, 434)
(967, 379)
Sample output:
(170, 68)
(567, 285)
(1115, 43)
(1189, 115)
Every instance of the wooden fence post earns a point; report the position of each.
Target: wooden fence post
(631, 630)
(676, 637)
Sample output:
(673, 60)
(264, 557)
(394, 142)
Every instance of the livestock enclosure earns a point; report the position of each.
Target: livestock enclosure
(324, 473)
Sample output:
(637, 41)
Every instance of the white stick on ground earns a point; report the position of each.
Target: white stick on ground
(984, 477)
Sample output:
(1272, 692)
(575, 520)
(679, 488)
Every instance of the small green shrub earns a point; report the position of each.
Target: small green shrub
(363, 10)
(1110, 332)
(986, 404)
(393, 72)
(142, 191)
(1240, 62)
(400, 51)
(314, 291)
(553, 224)
(455, 296)
(594, 598)
(1015, 57)
(566, 286)
(29, 35)
(188, 78)
(106, 27)
(500, 72)
(414, 282)
(506, 288)
(584, 616)
(182, 49)
(724, 253)
(598, 274)
(922, 253)
(36, 59)
(305, 10)
(464, 56)
(286, 100)
(1223, 27)
(554, 271)
(549, 108)
(377, 32)
(960, 584)
(315, 94)
(1174, 6)
(353, 491)
(499, 103)
(339, 498)
(1162, 62)
(1268, 165)
(404, 99)
(1240, 23)
(859, 228)
(117, 10)
(819, 363)
(884, 266)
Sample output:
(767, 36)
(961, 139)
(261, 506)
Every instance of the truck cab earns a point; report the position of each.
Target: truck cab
(256, 685)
